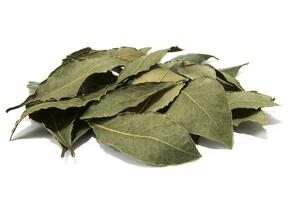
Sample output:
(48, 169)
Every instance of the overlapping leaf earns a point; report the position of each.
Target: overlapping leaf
(250, 99)
(144, 63)
(194, 57)
(151, 138)
(65, 104)
(202, 109)
(248, 115)
(233, 71)
(123, 98)
(164, 97)
(149, 110)
(66, 80)
(59, 123)
(193, 71)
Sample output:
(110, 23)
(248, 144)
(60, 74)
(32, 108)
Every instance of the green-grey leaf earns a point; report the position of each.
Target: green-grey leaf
(65, 81)
(80, 55)
(80, 129)
(172, 64)
(64, 104)
(194, 57)
(253, 100)
(144, 63)
(230, 83)
(193, 71)
(164, 97)
(158, 75)
(69, 78)
(233, 71)
(96, 81)
(128, 53)
(63, 126)
(58, 122)
(151, 138)
(203, 110)
(122, 98)
(244, 115)
(161, 99)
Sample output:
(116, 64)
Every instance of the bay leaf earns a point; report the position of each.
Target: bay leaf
(128, 53)
(249, 99)
(59, 123)
(248, 115)
(163, 97)
(79, 130)
(69, 78)
(151, 138)
(194, 57)
(97, 81)
(203, 110)
(158, 101)
(65, 81)
(144, 63)
(79, 54)
(158, 75)
(122, 98)
(233, 71)
(64, 104)
(230, 83)
(193, 71)
(63, 125)
(172, 64)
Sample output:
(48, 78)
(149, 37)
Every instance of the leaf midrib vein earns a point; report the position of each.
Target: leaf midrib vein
(144, 136)
(199, 106)
(70, 83)
(136, 98)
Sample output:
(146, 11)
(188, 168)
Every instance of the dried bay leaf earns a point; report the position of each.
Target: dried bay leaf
(97, 81)
(59, 123)
(203, 110)
(63, 125)
(65, 81)
(158, 75)
(230, 83)
(160, 100)
(79, 54)
(172, 64)
(194, 57)
(122, 98)
(193, 71)
(233, 71)
(248, 115)
(79, 130)
(128, 53)
(151, 138)
(144, 63)
(64, 104)
(163, 97)
(154, 112)
(249, 99)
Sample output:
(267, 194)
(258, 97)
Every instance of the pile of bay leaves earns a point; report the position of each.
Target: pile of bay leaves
(152, 111)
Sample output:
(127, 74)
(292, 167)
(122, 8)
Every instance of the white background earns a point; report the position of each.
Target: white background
(36, 35)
